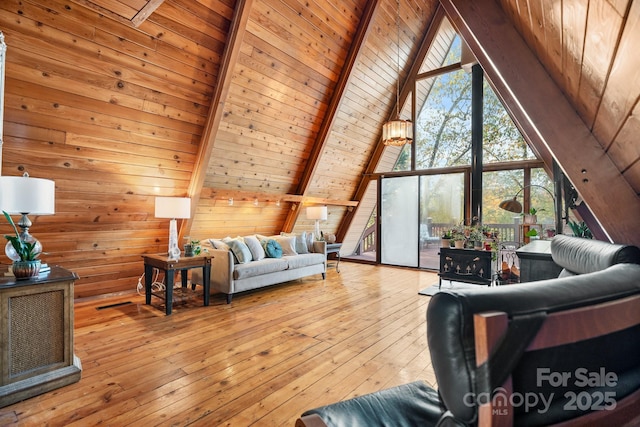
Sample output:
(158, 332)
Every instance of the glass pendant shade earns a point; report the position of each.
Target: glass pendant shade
(397, 132)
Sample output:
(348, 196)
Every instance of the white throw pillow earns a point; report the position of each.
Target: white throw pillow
(288, 244)
(257, 252)
(302, 247)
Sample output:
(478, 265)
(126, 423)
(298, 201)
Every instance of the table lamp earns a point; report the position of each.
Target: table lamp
(173, 207)
(317, 213)
(26, 196)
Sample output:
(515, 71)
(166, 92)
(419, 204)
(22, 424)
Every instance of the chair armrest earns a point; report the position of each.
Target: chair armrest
(311, 420)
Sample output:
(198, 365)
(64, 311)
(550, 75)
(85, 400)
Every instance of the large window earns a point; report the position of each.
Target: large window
(443, 123)
(440, 179)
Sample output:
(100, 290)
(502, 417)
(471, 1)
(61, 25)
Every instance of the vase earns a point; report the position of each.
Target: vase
(445, 243)
(26, 269)
(459, 244)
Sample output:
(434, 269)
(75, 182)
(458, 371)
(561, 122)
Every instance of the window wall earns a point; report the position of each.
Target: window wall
(437, 168)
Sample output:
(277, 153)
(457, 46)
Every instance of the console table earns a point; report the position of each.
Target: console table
(536, 262)
(36, 335)
(334, 248)
(169, 266)
(465, 265)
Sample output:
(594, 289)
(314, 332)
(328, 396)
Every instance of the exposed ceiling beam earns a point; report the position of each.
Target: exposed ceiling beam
(145, 12)
(216, 109)
(247, 196)
(142, 14)
(325, 129)
(541, 109)
(407, 89)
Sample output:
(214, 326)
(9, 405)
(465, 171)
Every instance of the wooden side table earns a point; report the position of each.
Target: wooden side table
(169, 266)
(334, 248)
(36, 335)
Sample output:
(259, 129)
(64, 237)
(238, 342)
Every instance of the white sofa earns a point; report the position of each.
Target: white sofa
(231, 276)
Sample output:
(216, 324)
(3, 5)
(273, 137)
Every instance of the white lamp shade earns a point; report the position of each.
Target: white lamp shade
(173, 207)
(317, 212)
(26, 195)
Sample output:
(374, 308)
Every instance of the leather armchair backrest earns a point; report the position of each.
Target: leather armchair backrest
(579, 256)
(450, 334)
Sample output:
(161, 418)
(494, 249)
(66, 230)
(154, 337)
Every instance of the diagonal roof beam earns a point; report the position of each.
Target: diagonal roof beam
(407, 89)
(205, 148)
(551, 122)
(325, 129)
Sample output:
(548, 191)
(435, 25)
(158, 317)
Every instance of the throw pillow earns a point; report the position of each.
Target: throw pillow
(272, 248)
(288, 244)
(301, 241)
(310, 239)
(239, 248)
(219, 244)
(257, 252)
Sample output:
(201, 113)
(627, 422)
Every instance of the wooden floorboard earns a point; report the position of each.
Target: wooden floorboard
(261, 360)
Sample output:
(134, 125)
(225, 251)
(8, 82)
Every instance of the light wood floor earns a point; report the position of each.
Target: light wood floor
(262, 360)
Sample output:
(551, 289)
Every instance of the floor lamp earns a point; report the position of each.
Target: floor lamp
(513, 205)
(173, 207)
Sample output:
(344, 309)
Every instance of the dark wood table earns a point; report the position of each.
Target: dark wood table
(536, 262)
(169, 266)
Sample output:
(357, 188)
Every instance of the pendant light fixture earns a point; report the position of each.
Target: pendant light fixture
(397, 132)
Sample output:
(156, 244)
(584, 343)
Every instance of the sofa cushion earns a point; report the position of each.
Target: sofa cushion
(257, 252)
(240, 250)
(272, 249)
(258, 268)
(303, 260)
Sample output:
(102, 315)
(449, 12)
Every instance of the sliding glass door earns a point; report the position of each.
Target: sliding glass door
(441, 207)
(414, 211)
(399, 212)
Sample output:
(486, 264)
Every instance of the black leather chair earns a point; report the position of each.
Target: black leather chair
(564, 351)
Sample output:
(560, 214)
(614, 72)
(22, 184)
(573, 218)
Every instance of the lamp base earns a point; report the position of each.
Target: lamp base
(174, 249)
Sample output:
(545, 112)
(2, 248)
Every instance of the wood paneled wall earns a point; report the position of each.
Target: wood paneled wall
(114, 116)
(113, 101)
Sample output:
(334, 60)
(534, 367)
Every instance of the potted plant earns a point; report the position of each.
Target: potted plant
(580, 229)
(477, 237)
(531, 217)
(28, 264)
(445, 240)
(459, 238)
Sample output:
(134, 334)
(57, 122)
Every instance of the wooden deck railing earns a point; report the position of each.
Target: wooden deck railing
(506, 233)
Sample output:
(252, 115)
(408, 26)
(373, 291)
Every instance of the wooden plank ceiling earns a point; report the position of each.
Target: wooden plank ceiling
(274, 102)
